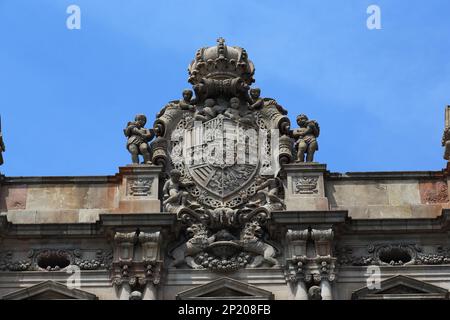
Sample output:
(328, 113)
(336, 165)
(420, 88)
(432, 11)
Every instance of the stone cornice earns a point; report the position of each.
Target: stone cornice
(387, 175)
(119, 221)
(300, 219)
(60, 180)
(309, 217)
(138, 219)
(441, 223)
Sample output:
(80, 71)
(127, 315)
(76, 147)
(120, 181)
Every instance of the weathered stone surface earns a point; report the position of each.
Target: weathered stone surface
(433, 192)
(13, 197)
(385, 198)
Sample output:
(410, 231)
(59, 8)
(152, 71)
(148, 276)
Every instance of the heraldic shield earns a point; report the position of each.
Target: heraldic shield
(222, 157)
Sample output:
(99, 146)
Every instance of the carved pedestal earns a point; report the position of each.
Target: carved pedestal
(139, 189)
(305, 188)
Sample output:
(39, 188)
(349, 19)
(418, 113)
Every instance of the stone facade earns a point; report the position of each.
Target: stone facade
(174, 228)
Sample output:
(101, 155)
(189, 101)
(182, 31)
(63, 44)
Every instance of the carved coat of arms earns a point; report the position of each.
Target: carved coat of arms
(222, 151)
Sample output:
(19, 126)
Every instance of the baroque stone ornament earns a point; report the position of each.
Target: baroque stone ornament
(306, 138)
(222, 153)
(315, 293)
(56, 260)
(392, 254)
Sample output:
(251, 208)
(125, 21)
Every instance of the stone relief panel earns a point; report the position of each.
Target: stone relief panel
(397, 254)
(305, 184)
(55, 259)
(139, 187)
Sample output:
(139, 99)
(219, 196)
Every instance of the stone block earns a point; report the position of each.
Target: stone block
(20, 216)
(59, 216)
(305, 189)
(139, 189)
(13, 197)
(139, 206)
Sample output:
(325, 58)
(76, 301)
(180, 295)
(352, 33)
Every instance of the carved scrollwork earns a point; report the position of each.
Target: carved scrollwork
(398, 254)
(56, 260)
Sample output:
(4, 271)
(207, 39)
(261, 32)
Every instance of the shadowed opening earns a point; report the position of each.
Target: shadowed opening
(396, 255)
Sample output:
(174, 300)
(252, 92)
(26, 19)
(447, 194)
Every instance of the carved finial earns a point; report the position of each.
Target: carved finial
(221, 47)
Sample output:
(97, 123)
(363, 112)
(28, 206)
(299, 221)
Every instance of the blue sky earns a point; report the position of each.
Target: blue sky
(379, 95)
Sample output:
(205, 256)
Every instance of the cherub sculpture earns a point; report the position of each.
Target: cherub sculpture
(268, 191)
(209, 111)
(174, 192)
(186, 103)
(235, 113)
(256, 101)
(138, 139)
(306, 138)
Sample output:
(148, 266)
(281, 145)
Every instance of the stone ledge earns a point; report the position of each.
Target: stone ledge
(260, 276)
(305, 166)
(93, 229)
(61, 180)
(440, 223)
(309, 217)
(138, 219)
(385, 175)
(140, 169)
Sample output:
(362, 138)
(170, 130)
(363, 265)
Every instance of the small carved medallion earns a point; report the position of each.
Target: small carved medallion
(305, 184)
(139, 187)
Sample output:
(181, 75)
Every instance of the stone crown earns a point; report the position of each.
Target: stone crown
(221, 62)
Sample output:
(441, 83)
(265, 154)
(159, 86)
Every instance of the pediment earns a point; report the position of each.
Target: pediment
(49, 290)
(223, 289)
(400, 288)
